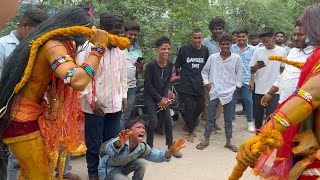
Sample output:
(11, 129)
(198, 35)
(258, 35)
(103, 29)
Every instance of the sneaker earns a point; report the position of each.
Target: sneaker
(177, 154)
(250, 127)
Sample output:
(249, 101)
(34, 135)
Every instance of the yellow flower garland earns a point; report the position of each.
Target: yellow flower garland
(121, 42)
(293, 63)
(268, 139)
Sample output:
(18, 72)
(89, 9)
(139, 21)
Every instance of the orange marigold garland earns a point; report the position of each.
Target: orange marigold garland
(268, 139)
(121, 42)
(293, 63)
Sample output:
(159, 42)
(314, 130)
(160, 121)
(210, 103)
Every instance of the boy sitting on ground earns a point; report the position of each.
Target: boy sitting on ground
(127, 153)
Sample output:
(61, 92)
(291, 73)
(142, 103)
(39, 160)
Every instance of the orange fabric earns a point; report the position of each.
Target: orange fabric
(24, 110)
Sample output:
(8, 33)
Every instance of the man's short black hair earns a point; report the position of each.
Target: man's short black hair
(196, 31)
(242, 30)
(217, 21)
(280, 32)
(33, 17)
(110, 19)
(253, 35)
(162, 40)
(225, 37)
(266, 32)
(132, 121)
(132, 25)
(234, 32)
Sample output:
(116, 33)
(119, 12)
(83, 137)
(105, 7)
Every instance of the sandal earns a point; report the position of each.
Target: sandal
(201, 146)
(232, 148)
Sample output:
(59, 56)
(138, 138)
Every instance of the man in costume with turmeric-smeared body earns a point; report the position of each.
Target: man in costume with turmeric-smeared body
(298, 153)
(39, 121)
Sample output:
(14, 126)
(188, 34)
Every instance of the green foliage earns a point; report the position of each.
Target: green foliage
(177, 18)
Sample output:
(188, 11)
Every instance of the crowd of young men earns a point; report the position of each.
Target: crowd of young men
(213, 71)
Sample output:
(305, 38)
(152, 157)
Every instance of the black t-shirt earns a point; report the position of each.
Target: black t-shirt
(191, 61)
(156, 81)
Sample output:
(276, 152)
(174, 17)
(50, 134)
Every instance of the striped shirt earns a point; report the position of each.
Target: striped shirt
(212, 46)
(223, 75)
(245, 57)
(110, 79)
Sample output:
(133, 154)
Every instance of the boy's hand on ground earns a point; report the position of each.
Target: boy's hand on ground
(177, 145)
(99, 109)
(123, 137)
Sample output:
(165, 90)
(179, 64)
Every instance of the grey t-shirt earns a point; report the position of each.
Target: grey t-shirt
(212, 46)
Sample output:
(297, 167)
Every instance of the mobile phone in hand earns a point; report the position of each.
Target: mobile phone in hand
(261, 62)
(140, 59)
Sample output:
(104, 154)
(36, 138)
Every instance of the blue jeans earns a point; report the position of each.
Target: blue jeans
(13, 167)
(227, 114)
(131, 96)
(247, 98)
(99, 129)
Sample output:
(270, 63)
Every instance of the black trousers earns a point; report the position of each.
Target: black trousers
(193, 107)
(153, 121)
(259, 109)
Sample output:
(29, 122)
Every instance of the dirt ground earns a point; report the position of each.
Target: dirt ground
(213, 163)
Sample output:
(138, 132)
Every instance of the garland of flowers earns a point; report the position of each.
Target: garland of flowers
(120, 42)
(268, 139)
(293, 63)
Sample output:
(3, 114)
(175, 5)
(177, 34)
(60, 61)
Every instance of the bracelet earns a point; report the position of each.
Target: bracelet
(98, 49)
(59, 60)
(304, 94)
(281, 120)
(69, 75)
(270, 93)
(89, 70)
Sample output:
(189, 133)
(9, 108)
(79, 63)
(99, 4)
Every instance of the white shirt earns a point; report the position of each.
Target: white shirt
(266, 76)
(7, 44)
(223, 75)
(289, 78)
(110, 79)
